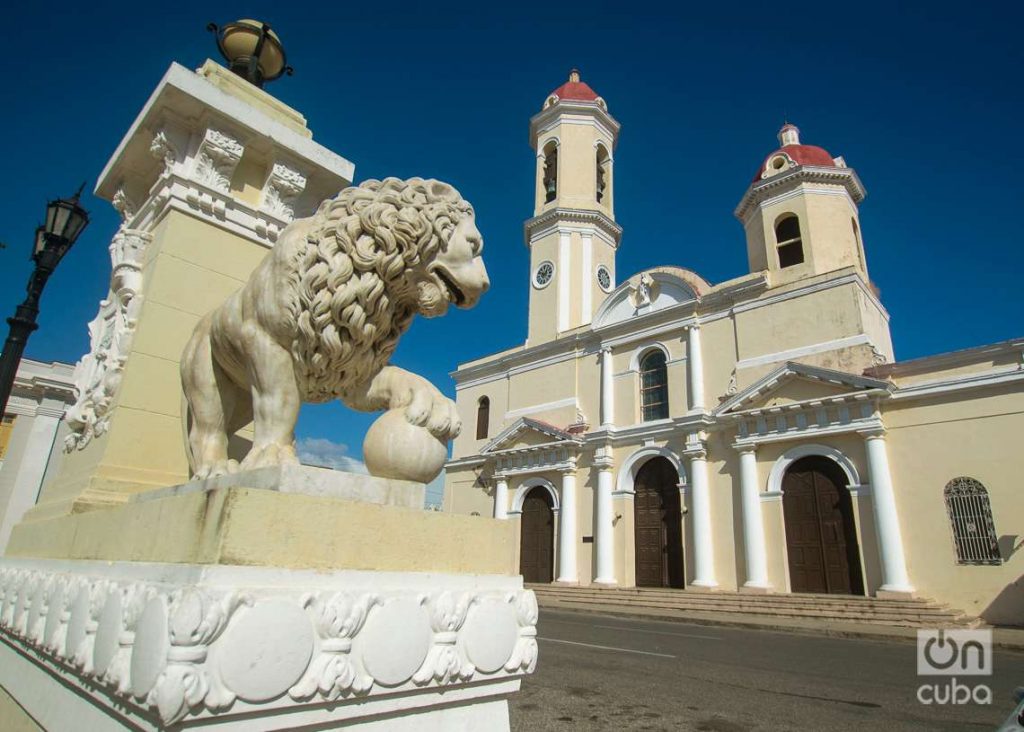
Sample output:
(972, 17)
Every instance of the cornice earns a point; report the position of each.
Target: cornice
(764, 189)
(579, 216)
(548, 117)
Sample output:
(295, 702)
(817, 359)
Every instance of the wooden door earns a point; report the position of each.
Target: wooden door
(657, 520)
(821, 539)
(537, 537)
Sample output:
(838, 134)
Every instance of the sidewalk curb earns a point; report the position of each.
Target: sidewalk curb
(1010, 639)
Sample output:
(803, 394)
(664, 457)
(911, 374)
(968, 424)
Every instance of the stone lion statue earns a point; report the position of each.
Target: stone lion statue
(320, 317)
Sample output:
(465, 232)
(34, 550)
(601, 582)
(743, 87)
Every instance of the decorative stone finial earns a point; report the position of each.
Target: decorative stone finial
(574, 76)
(789, 135)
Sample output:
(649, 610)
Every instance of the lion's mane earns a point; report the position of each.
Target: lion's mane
(350, 296)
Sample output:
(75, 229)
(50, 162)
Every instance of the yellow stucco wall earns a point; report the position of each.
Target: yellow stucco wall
(191, 267)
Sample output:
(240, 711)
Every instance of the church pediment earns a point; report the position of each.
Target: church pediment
(795, 383)
(648, 292)
(526, 433)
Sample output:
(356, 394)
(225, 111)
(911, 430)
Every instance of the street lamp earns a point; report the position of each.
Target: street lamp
(65, 220)
(252, 50)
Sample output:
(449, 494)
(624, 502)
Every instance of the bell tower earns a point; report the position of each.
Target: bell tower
(573, 235)
(800, 213)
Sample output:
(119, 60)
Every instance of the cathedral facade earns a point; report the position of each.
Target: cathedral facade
(754, 434)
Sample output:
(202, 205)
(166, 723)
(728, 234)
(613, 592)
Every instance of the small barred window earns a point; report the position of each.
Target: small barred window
(970, 516)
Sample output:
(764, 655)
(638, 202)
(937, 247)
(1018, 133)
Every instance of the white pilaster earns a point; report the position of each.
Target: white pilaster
(607, 389)
(890, 540)
(31, 468)
(501, 498)
(587, 281)
(564, 280)
(700, 515)
(604, 530)
(567, 571)
(753, 528)
(695, 369)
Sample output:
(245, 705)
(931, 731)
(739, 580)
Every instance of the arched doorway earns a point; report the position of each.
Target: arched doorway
(657, 520)
(537, 537)
(821, 539)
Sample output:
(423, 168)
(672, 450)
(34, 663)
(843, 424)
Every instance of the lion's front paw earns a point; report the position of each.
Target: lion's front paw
(431, 409)
(270, 455)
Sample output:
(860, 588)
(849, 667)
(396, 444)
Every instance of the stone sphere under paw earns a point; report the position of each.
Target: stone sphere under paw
(393, 448)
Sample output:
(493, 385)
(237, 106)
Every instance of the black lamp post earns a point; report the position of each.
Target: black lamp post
(252, 50)
(65, 220)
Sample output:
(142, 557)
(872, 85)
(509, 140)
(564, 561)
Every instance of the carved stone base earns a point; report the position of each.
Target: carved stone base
(96, 645)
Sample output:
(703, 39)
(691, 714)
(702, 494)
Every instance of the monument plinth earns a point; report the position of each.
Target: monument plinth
(264, 594)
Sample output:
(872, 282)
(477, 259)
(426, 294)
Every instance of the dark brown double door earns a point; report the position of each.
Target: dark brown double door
(821, 540)
(537, 537)
(658, 525)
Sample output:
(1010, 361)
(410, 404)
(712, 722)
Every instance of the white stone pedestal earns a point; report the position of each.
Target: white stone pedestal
(307, 481)
(112, 646)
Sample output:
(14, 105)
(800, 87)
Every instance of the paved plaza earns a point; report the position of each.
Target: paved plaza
(611, 673)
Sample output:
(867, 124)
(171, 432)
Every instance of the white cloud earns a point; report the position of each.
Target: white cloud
(323, 453)
(435, 492)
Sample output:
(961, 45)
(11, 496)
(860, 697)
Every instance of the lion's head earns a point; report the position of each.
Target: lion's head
(419, 236)
(372, 258)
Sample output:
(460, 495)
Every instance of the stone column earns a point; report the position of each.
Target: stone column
(604, 530)
(501, 498)
(567, 529)
(695, 369)
(887, 525)
(700, 517)
(753, 528)
(31, 466)
(607, 389)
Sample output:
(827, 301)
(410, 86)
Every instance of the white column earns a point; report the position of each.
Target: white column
(753, 528)
(700, 517)
(604, 530)
(31, 468)
(890, 541)
(501, 499)
(695, 369)
(607, 390)
(567, 529)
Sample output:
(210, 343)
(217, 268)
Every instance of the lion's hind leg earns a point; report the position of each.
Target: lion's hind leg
(215, 405)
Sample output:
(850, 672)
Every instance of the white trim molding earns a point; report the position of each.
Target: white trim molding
(525, 487)
(157, 645)
(632, 464)
(782, 464)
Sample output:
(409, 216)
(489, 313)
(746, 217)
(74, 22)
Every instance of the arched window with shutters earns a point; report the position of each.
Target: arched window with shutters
(483, 417)
(970, 517)
(788, 241)
(550, 179)
(603, 172)
(653, 385)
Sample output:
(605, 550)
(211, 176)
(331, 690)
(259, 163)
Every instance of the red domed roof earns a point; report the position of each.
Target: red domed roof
(799, 154)
(575, 89)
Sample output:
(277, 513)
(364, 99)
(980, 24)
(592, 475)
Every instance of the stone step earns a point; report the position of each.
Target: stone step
(713, 598)
(937, 615)
(894, 621)
(905, 612)
(793, 608)
(760, 618)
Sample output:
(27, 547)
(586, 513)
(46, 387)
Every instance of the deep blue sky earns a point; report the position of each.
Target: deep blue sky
(925, 103)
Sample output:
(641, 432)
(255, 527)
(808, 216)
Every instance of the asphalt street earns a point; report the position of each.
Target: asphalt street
(611, 673)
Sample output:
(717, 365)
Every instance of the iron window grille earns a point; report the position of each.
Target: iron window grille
(970, 517)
